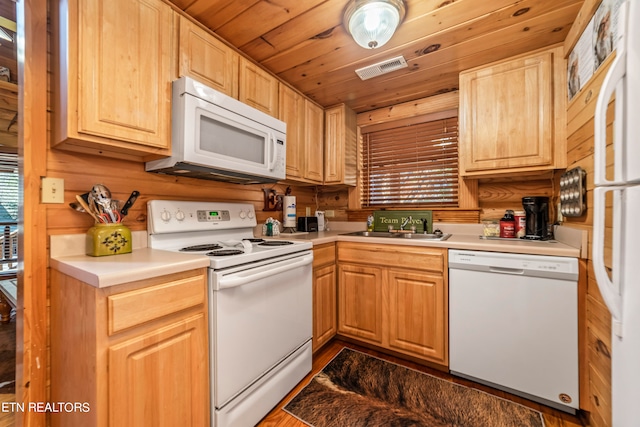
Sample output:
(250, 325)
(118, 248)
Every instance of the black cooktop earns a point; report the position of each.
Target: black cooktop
(205, 247)
(275, 243)
(225, 252)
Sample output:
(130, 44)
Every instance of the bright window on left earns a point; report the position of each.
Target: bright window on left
(9, 204)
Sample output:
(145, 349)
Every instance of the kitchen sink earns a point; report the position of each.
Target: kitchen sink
(370, 234)
(415, 236)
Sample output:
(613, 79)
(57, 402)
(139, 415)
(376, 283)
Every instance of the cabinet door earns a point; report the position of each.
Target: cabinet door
(507, 115)
(360, 302)
(291, 111)
(340, 148)
(324, 305)
(123, 60)
(161, 378)
(418, 314)
(207, 59)
(258, 88)
(314, 137)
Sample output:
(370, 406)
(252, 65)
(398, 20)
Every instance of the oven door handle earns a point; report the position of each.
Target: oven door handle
(242, 278)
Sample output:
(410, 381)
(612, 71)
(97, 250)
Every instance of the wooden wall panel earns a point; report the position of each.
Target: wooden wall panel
(497, 195)
(81, 172)
(32, 333)
(595, 378)
(480, 199)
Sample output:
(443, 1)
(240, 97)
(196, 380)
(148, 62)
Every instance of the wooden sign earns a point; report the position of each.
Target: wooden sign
(384, 220)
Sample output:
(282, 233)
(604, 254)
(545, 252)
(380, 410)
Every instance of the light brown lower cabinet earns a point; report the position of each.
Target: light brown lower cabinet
(417, 313)
(134, 354)
(324, 295)
(395, 297)
(360, 311)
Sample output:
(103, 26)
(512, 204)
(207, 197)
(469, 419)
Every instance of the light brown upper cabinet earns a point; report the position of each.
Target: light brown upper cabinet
(258, 88)
(513, 115)
(112, 79)
(314, 142)
(304, 121)
(291, 111)
(340, 146)
(205, 58)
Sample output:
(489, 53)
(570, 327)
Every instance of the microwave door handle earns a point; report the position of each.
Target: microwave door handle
(272, 152)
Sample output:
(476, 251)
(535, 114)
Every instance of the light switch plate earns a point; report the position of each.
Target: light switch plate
(52, 190)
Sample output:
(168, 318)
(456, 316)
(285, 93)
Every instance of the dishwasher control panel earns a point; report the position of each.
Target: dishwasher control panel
(523, 264)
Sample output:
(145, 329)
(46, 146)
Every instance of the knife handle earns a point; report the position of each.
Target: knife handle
(130, 201)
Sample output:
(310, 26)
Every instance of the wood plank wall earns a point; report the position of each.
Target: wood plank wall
(494, 197)
(580, 129)
(81, 171)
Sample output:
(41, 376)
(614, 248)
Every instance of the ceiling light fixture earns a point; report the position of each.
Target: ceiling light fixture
(371, 23)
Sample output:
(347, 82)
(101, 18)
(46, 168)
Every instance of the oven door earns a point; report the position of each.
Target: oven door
(259, 316)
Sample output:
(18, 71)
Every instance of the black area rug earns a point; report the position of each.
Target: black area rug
(357, 390)
(8, 356)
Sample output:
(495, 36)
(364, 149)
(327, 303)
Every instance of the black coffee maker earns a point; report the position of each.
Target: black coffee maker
(537, 217)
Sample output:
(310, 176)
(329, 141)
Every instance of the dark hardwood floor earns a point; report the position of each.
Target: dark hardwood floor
(279, 418)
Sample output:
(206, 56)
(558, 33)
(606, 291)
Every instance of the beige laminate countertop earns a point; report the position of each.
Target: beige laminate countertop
(67, 256)
(145, 263)
(458, 240)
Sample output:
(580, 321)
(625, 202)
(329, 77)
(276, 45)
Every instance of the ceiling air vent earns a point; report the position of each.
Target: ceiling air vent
(381, 68)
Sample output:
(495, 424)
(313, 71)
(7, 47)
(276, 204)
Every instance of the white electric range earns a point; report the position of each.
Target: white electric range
(260, 296)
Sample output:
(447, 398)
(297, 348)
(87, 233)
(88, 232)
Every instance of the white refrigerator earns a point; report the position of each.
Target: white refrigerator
(621, 290)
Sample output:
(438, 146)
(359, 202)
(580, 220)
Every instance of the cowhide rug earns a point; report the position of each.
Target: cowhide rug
(358, 390)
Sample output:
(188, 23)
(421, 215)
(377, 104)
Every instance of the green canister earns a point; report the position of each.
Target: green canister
(108, 239)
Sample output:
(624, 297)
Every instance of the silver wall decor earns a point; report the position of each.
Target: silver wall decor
(573, 192)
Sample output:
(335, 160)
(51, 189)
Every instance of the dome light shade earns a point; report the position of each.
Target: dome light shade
(371, 23)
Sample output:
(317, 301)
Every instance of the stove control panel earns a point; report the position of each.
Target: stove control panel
(173, 216)
(214, 216)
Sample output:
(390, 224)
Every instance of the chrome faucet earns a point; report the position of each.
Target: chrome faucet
(405, 222)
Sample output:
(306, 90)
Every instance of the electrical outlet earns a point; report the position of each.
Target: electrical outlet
(52, 190)
(330, 214)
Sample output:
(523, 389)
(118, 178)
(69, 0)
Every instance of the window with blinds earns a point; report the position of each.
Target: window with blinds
(411, 165)
(8, 187)
(8, 212)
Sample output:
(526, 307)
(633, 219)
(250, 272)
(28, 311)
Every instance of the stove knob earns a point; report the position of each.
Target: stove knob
(243, 214)
(180, 216)
(250, 215)
(165, 215)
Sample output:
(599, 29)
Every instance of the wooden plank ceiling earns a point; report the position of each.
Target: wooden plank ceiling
(306, 45)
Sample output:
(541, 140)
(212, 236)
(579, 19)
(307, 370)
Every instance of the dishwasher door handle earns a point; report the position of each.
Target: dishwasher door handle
(506, 270)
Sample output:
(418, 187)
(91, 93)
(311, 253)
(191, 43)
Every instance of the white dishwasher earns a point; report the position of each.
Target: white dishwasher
(513, 324)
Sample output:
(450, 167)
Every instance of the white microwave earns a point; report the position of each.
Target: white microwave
(219, 138)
